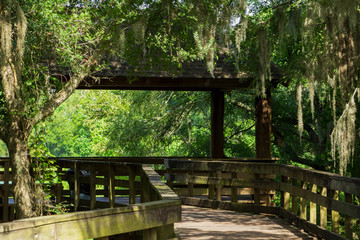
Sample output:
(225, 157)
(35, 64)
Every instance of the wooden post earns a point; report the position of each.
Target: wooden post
(323, 210)
(234, 189)
(150, 234)
(348, 219)
(211, 186)
(59, 187)
(218, 186)
(257, 190)
(303, 202)
(132, 190)
(92, 187)
(313, 188)
(335, 215)
(170, 183)
(190, 184)
(263, 125)
(217, 125)
(76, 186)
(111, 186)
(145, 191)
(166, 232)
(6, 192)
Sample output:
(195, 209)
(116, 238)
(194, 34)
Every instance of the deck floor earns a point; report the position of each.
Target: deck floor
(203, 223)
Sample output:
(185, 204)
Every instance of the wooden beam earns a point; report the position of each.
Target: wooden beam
(217, 125)
(263, 125)
(164, 83)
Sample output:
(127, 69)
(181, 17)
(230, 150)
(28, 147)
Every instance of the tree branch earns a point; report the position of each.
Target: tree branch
(242, 105)
(57, 99)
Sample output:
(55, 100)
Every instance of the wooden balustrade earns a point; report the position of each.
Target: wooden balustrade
(326, 195)
(320, 202)
(91, 186)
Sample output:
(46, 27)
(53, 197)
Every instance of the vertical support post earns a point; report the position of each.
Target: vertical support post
(145, 191)
(234, 176)
(348, 219)
(190, 184)
(313, 188)
(111, 186)
(150, 234)
(294, 199)
(170, 183)
(323, 210)
(92, 187)
(335, 215)
(211, 186)
(257, 190)
(59, 187)
(166, 232)
(303, 202)
(217, 134)
(132, 190)
(263, 125)
(218, 186)
(217, 125)
(76, 185)
(6, 192)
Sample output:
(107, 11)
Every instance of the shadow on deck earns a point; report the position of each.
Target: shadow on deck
(203, 223)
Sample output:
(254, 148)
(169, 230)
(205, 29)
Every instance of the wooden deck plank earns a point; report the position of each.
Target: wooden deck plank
(203, 223)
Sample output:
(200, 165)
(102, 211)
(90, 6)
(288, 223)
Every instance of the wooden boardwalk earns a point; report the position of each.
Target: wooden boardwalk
(203, 223)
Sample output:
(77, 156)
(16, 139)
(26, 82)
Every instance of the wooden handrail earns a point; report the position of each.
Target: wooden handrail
(156, 216)
(301, 187)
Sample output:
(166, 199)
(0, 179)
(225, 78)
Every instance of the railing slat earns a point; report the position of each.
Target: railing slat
(132, 190)
(313, 188)
(92, 187)
(111, 186)
(334, 214)
(348, 219)
(323, 210)
(76, 186)
(285, 196)
(294, 198)
(303, 206)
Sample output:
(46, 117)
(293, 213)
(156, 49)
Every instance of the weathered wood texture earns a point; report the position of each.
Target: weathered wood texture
(299, 188)
(154, 218)
(217, 125)
(263, 125)
(205, 223)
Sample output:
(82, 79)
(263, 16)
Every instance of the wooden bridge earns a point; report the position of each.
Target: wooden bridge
(125, 198)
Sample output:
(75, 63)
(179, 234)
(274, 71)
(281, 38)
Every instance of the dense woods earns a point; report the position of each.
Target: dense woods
(49, 47)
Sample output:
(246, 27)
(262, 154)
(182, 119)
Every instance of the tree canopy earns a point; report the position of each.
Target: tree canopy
(49, 47)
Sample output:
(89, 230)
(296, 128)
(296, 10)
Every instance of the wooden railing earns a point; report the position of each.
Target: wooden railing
(108, 198)
(310, 199)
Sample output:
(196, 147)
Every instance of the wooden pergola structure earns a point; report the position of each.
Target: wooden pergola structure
(194, 77)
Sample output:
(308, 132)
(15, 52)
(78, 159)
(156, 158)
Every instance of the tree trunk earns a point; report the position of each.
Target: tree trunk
(24, 190)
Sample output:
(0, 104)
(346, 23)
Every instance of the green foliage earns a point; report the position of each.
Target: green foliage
(146, 123)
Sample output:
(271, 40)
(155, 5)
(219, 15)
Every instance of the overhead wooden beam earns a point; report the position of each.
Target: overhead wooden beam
(263, 125)
(165, 83)
(217, 125)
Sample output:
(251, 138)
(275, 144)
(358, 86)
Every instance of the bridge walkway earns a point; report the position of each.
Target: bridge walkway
(204, 223)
